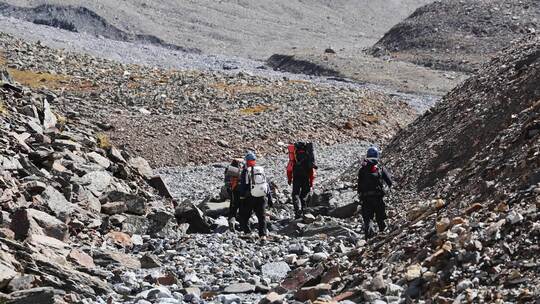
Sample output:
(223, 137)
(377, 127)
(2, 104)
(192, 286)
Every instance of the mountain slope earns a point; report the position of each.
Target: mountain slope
(482, 139)
(464, 217)
(250, 28)
(459, 35)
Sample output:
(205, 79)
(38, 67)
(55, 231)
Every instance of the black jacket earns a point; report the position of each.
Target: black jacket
(371, 177)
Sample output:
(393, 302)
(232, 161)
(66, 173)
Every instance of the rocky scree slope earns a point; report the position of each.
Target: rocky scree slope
(80, 19)
(204, 117)
(459, 35)
(469, 191)
(71, 204)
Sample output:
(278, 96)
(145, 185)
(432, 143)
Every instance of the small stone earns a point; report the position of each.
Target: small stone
(81, 258)
(240, 288)
(120, 238)
(98, 159)
(272, 298)
(150, 261)
(312, 293)
(114, 208)
(275, 271)
(442, 225)
(465, 284)
(229, 299)
(514, 217)
(413, 272)
(378, 283)
(319, 256)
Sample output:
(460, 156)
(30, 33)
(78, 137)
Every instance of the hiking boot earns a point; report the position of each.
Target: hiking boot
(232, 224)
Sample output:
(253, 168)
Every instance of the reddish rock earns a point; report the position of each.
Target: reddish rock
(81, 258)
(120, 238)
(312, 293)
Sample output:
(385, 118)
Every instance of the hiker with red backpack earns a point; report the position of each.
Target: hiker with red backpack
(255, 194)
(301, 174)
(232, 181)
(371, 178)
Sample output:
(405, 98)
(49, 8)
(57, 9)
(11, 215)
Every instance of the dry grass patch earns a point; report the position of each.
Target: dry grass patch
(37, 79)
(256, 110)
(3, 109)
(103, 141)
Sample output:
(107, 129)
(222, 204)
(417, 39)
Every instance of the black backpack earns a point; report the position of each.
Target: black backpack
(370, 180)
(305, 158)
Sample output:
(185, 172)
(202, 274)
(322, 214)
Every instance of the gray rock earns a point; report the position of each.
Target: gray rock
(229, 299)
(275, 271)
(378, 283)
(465, 284)
(7, 274)
(372, 296)
(114, 208)
(239, 288)
(141, 165)
(134, 224)
(97, 182)
(344, 211)
(319, 256)
(42, 295)
(26, 222)
(34, 187)
(188, 213)
(57, 202)
(116, 155)
(98, 159)
(135, 204)
(394, 290)
(49, 119)
(299, 249)
(150, 261)
(22, 283)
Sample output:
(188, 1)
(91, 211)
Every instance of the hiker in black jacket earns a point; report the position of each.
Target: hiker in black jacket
(371, 177)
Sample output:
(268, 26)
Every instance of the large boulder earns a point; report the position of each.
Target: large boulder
(141, 166)
(41, 295)
(97, 182)
(345, 211)
(26, 222)
(189, 213)
(57, 202)
(162, 224)
(135, 204)
(7, 273)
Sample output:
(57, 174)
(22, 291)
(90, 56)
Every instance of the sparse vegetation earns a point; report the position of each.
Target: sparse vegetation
(37, 79)
(103, 141)
(3, 109)
(255, 110)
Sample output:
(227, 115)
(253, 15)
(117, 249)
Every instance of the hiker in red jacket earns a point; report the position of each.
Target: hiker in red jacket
(301, 174)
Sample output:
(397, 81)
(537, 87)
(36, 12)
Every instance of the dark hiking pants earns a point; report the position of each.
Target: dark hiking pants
(235, 203)
(300, 191)
(250, 205)
(373, 206)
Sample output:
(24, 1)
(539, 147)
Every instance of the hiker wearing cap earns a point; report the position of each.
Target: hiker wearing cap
(371, 178)
(232, 180)
(255, 194)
